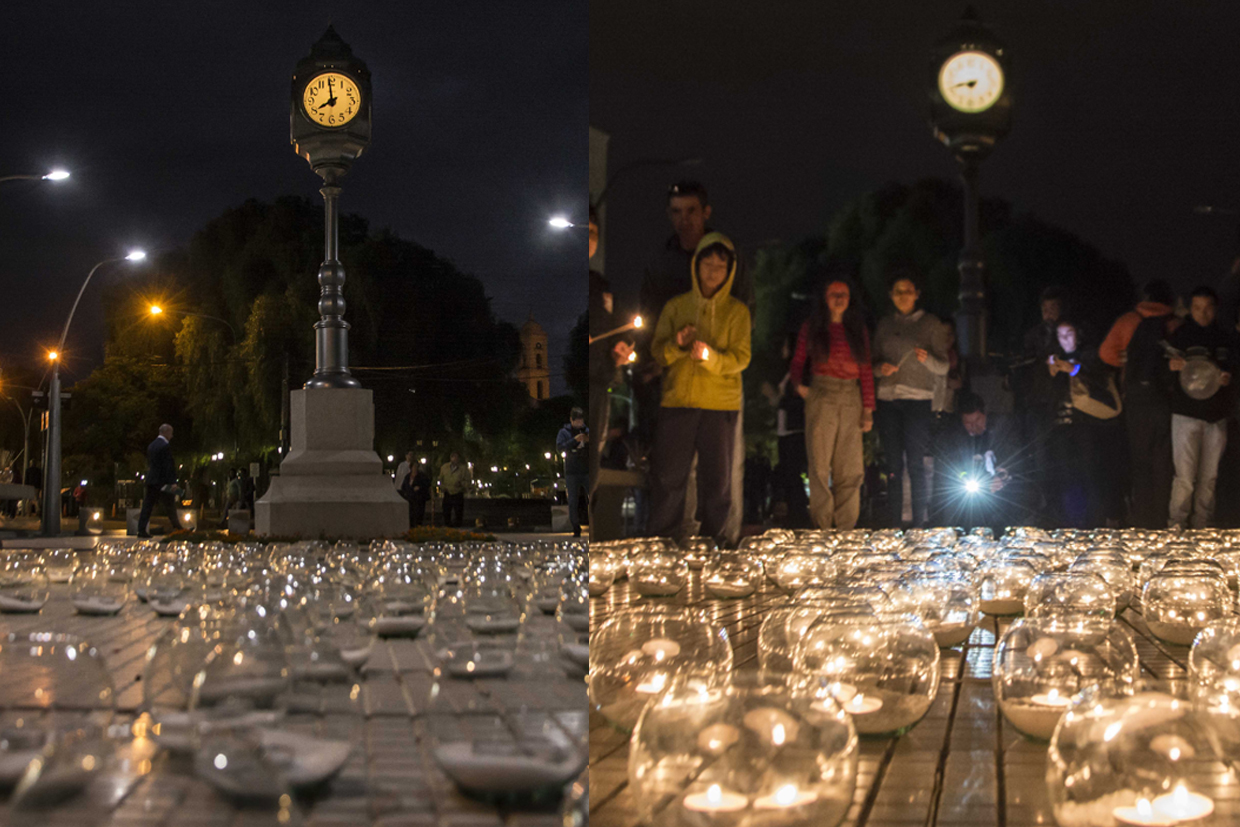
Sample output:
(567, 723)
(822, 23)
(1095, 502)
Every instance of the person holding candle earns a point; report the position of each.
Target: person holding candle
(910, 351)
(839, 404)
(702, 340)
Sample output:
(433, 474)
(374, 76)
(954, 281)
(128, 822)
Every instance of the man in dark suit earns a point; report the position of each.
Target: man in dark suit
(161, 480)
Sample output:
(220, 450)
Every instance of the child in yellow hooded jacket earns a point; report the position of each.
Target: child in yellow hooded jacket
(702, 340)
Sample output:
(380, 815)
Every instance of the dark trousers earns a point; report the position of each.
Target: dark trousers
(164, 499)
(789, 487)
(904, 431)
(679, 434)
(453, 503)
(417, 511)
(576, 483)
(1149, 457)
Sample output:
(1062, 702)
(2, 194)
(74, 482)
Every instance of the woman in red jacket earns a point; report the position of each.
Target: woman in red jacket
(839, 403)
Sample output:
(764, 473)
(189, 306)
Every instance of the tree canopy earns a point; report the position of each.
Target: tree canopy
(239, 303)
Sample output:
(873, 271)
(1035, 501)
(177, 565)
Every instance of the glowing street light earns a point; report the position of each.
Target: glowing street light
(51, 482)
(54, 175)
(156, 310)
(561, 223)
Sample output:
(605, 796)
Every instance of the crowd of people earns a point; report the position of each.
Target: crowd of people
(1125, 429)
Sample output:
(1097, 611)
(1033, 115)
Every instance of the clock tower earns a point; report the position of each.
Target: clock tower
(331, 482)
(970, 111)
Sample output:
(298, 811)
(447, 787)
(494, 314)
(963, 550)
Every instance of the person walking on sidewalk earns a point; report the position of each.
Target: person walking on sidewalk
(573, 441)
(161, 482)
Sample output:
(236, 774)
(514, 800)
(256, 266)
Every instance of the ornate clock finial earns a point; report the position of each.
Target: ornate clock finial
(331, 46)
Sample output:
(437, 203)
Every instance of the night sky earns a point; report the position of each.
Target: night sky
(1126, 117)
(167, 114)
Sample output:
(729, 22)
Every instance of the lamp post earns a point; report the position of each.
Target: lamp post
(54, 175)
(51, 480)
(157, 310)
(970, 110)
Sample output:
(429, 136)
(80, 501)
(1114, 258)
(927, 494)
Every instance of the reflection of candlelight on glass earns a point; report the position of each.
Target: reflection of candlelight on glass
(716, 800)
(786, 797)
(717, 738)
(1182, 805)
(661, 648)
(653, 685)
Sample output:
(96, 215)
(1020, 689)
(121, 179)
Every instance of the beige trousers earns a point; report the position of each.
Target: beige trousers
(833, 445)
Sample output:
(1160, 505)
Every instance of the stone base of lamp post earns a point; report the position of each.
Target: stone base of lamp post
(332, 484)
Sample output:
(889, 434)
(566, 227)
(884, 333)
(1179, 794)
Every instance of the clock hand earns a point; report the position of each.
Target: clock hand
(968, 83)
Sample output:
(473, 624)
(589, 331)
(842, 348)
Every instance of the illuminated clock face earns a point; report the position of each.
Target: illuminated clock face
(971, 81)
(331, 99)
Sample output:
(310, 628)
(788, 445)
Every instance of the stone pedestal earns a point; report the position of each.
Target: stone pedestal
(332, 482)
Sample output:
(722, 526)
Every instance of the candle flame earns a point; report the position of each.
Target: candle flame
(714, 795)
(778, 736)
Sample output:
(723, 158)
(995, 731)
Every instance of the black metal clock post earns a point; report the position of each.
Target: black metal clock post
(331, 149)
(970, 133)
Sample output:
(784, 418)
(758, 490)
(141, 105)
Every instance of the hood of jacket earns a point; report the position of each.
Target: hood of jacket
(725, 289)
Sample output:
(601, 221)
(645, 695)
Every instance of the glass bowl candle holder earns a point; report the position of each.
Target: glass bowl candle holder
(635, 653)
(1214, 664)
(797, 570)
(783, 626)
(1143, 755)
(1040, 663)
(1071, 594)
(1114, 569)
(24, 584)
(749, 749)
(731, 575)
(698, 551)
(1001, 586)
(657, 573)
(95, 592)
(947, 605)
(603, 570)
(55, 693)
(883, 670)
(60, 563)
(1176, 607)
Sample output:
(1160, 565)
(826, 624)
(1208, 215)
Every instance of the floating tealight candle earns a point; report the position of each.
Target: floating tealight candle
(1182, 805)
(786, 797)
(715, 800)
(661, 648)
(1143, 815)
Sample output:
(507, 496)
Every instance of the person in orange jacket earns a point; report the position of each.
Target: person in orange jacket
(1134, 344)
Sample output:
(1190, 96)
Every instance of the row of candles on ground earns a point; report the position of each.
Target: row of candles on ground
(865, 630)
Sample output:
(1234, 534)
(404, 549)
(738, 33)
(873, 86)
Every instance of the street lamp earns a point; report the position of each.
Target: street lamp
(559, 222)
(54, 175)
(51, 485)
(156, 310)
